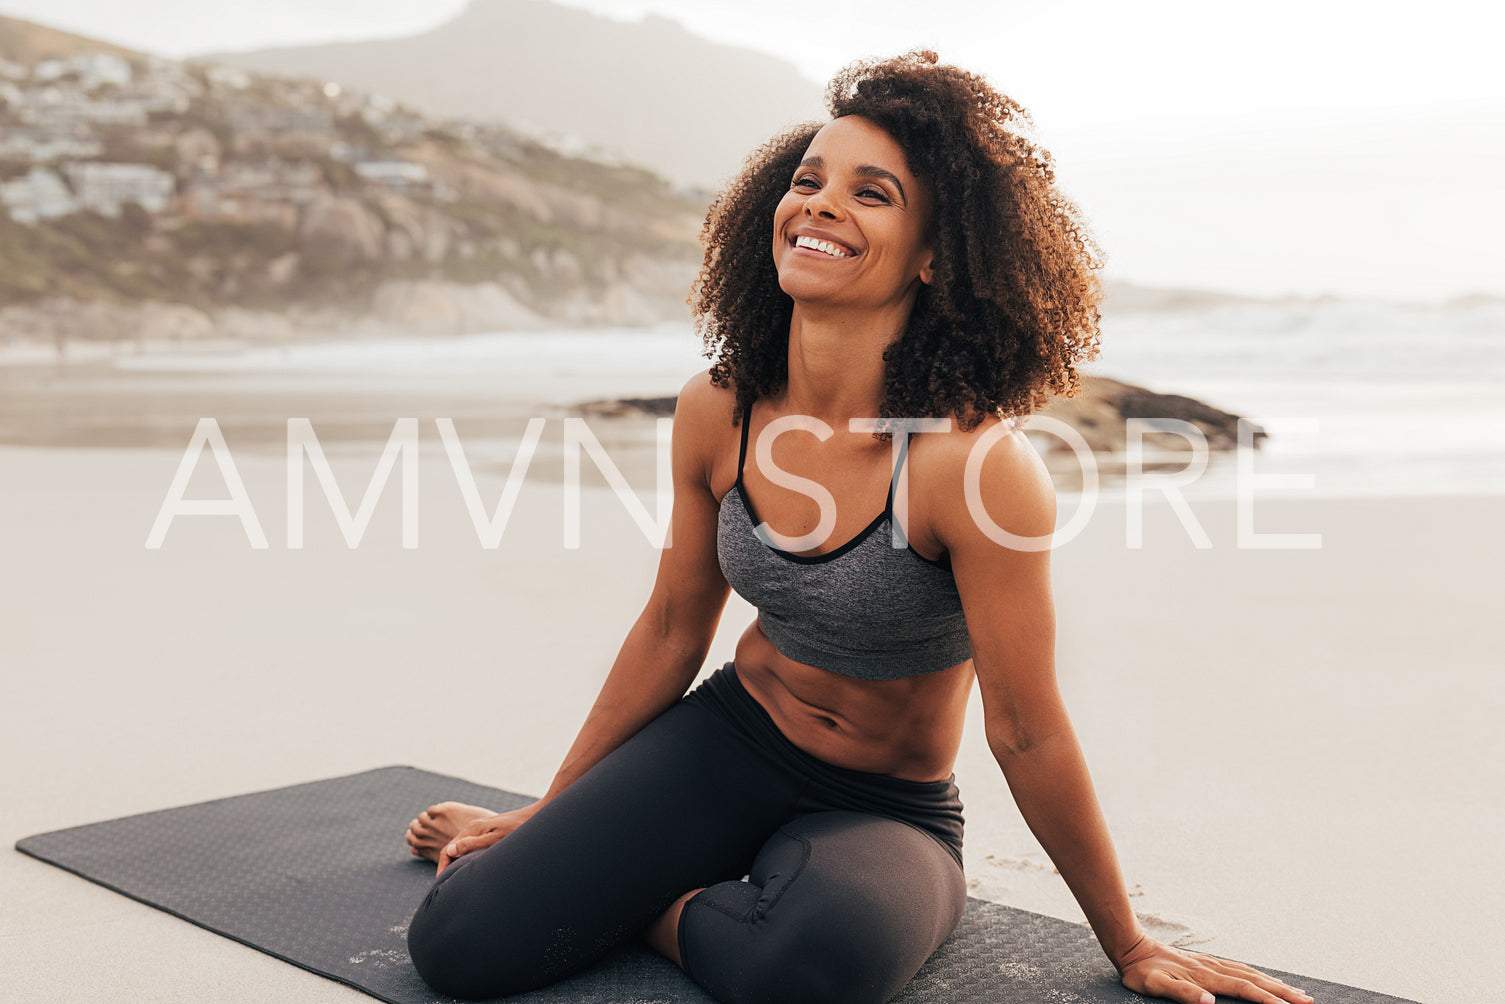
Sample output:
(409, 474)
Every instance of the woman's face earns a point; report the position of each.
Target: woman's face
(853, 228)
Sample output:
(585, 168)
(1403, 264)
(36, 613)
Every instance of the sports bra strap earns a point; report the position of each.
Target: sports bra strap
(742, 456)
(893, 478)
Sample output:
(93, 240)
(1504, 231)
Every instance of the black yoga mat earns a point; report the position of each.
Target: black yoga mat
(317, 875)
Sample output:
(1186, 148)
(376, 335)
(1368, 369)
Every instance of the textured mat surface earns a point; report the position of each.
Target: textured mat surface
(317, 875)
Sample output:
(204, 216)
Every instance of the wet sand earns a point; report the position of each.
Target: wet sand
(1298, 750)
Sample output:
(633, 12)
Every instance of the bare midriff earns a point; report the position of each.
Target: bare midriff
(909, 728)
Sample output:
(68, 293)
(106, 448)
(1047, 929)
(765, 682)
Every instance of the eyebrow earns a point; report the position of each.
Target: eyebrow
(863, 171)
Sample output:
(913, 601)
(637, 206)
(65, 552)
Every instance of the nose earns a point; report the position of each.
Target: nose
(819, 204)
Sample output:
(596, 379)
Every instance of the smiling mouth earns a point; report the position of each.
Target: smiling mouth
(824, 247)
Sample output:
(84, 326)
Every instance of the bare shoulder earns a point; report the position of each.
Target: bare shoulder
(701, 400)
(703, 426)
(993, 467)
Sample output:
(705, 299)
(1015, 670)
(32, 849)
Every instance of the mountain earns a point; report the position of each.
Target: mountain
(648, 92)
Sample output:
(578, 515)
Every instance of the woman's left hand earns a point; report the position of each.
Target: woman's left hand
(1157, 970)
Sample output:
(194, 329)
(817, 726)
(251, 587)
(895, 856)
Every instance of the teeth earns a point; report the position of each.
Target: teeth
(816, 244)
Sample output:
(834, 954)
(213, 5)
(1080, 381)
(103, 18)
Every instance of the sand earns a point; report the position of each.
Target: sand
(1298, 751)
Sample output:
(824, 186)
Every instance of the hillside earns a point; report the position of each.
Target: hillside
(28, 43)
(128, 179)
(648, 92)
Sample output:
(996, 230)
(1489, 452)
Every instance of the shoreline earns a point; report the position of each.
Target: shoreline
(22, 352)
(353, 390)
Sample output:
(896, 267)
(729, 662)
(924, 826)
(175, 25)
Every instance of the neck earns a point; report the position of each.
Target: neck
(836, 368)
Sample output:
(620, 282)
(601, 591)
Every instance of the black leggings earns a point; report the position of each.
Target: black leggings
(852, 879)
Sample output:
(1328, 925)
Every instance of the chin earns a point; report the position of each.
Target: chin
(811, 289)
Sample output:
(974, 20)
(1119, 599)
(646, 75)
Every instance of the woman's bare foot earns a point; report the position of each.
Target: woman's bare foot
(437, 826)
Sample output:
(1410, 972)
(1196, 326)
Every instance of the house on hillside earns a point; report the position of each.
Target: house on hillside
(163, 71)
(231, 77)
(162, 96)
(105, 187)
(92, 69)
(49, 69)
(302, 130)
(95, 69)
(40, 146)
(400, 176)
(115, 112)
(58, 107)
(40, 195)
(392, 124)
(36, 105)
(270, 192)
(256, 119)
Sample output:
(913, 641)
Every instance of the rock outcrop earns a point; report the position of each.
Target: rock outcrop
(343, 228)
(433, 307)
(1100, 414)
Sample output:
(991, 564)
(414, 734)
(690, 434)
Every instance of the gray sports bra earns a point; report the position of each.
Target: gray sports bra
(869, 609)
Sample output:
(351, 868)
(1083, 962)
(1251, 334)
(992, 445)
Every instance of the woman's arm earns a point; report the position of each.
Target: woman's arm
(1006, 593)
(666, 646)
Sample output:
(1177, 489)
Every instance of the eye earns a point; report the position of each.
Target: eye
(874, 193)
(806, 181)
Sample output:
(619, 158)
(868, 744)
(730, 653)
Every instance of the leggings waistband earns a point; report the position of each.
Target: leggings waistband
(933, 806)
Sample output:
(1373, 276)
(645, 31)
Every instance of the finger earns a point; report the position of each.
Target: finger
(1162, 984)
(1233, 986)
(466, 842)
(461, 846)
(1276, 991)
(1281, 991)
(1239, 969)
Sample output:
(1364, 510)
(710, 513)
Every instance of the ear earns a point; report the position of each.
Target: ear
(927, 271)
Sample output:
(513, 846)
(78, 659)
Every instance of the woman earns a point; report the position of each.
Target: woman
(790, 830)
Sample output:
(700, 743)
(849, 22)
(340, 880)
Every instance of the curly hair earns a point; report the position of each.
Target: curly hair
(1013, 305)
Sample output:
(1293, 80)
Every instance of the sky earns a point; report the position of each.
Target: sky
(1279, 148)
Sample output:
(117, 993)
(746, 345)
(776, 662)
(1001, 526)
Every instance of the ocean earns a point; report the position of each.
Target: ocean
(1366, 399)
(1359, 399)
